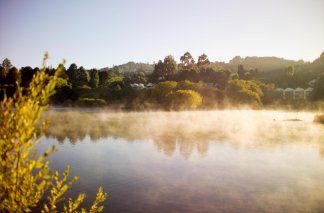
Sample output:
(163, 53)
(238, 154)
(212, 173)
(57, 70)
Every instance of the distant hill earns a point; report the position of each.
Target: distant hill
(262, 64)
(318, 64)
(132, 67)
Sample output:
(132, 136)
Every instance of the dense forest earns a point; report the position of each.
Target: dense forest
(189, 84)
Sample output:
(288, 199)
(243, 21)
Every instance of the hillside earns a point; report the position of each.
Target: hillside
(131, 67)
(262, 64)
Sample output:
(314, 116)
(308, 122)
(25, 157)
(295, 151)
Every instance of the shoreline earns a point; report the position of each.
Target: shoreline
(126, 110)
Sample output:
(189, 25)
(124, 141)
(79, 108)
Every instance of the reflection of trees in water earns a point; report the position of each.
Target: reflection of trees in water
(75, 126)
(167, 144)
(186, 146)
(186, 132)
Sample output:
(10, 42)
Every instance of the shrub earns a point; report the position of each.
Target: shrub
(90, 102)
(24, 175)
(116, 81)
(319, 119)
(188, 85)
(183, 99)
(162, 89)
(244, 92)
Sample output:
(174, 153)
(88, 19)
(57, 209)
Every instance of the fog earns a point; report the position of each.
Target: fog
(193, 161)
(190, 130)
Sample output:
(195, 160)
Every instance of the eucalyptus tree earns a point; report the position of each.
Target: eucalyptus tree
(165, 70)
(187, 61)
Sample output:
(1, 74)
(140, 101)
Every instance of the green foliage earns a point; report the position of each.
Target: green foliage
(243, 73)
(11, 77)
(202, 60)
(267, 93)
(188, 85)
(188, 74)
(81, 91)
(319, 88)
(264, 64)
(103, 77)
(72, 72)
(183, 99)
(3, 74)
(113, 85)
(162, 89)
(26, 74)
(24, 175)
(115, 82)
(83, 75)
(6, 64)
(139, 77)
(90, 102)
(63, 91)
(94, 78)
(115, 71)
(244, 92)
(170, 66)
(318, 65)
(61, 82)
(220, 78)
(182, 95)
(187, 61)
(165, 70)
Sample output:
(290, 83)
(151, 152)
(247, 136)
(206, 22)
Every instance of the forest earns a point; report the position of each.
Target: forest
(190, 84)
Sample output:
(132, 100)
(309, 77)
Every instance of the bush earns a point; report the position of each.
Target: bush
(319, 119)
(90, 102)
(244, 92)
(183, 99)
(116, 81)
(25, 176)
(162, 89)
(188, 85)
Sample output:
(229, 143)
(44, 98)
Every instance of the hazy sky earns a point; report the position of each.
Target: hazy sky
(97, 33)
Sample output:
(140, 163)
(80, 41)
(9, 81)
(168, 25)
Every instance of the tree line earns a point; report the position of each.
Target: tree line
(189, 84)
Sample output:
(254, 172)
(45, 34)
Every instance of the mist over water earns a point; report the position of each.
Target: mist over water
(240, 128)
(205, 161)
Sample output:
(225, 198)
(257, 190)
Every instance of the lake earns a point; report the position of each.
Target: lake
(205, 161)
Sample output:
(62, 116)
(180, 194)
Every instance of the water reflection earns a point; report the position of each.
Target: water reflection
(222, 161)
(190, 131)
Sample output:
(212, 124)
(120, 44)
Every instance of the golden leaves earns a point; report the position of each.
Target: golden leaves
(25, 176)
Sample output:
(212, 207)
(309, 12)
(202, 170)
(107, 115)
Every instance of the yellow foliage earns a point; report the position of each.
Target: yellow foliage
(184, 99)
(24, 175)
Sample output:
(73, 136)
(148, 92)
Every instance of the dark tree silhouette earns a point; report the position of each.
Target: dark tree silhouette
(187, 61)
(6, 64)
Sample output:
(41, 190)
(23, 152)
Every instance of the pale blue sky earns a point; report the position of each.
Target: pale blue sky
(97, 33)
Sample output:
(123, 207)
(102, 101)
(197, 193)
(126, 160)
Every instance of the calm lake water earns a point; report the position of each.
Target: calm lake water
(218, 161)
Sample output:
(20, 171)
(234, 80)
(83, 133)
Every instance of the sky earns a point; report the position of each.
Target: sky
(98, 33)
